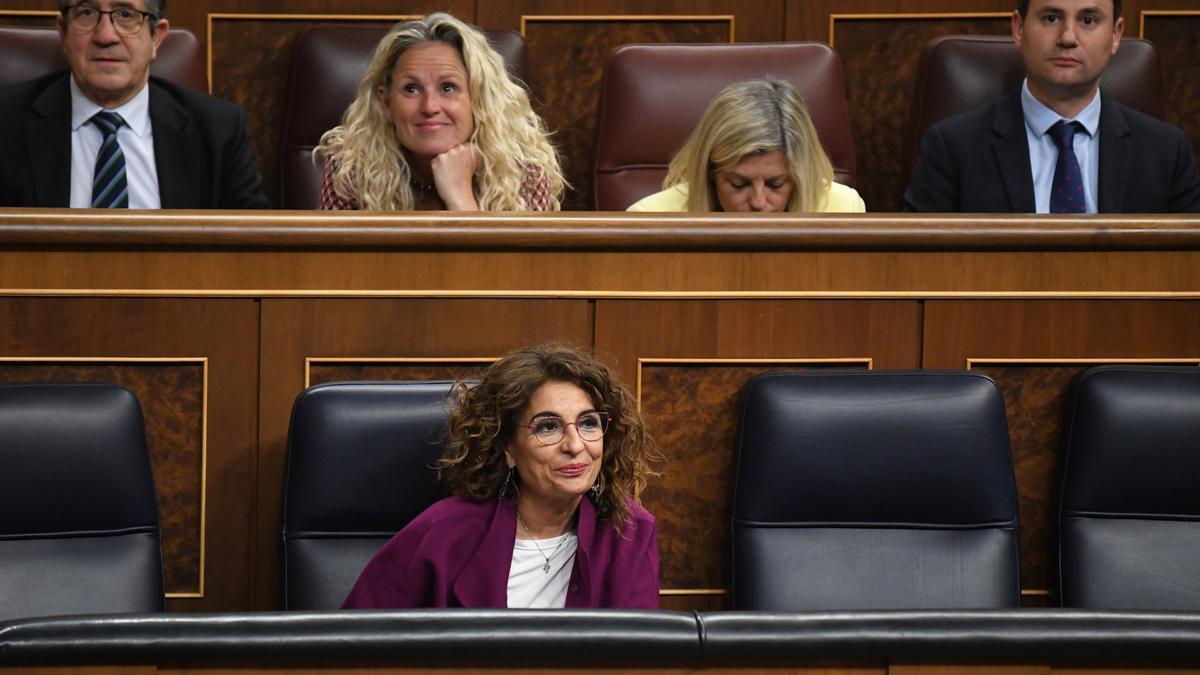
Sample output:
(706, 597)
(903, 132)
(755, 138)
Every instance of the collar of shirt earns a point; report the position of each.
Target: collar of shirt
(1039, 117)
(136, 112)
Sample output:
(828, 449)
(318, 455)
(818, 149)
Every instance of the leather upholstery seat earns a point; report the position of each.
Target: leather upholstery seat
(874, 490)
(957, 73)
(78, 520)
(1130, 514)
(327, 64)
(360, 466)
(653, 95)
(33, 52)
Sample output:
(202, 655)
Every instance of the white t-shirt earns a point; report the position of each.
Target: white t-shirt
(530, 586)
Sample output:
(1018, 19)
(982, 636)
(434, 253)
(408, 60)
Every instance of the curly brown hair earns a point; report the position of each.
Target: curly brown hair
(485, 418)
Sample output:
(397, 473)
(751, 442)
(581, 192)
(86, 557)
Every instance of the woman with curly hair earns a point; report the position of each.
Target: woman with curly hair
(755, 149)
(546, 458)
(437, 123)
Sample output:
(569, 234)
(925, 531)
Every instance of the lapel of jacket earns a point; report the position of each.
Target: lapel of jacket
(1011, 148)
(483, 581)
(1114, 149)
(177, 149)
(48, 142)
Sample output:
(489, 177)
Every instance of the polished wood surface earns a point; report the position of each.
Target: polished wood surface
(694, 304)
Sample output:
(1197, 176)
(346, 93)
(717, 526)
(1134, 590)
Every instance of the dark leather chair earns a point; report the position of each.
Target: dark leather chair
(1129, 522)
(957, 73)
(360, 466)
(874, 490)
(79, 525)
(327, 64)
(33, 52)
(653, 95)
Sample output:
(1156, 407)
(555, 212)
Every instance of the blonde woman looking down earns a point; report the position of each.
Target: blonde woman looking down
(437, 123)
(755, 149)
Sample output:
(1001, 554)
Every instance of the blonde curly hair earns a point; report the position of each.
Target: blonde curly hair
(485, 419)
(510, 137)
(748, 118)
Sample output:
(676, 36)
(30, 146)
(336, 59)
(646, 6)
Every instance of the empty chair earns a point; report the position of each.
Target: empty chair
(33, 52)
(79, 525)
(957, 73)
(327, 64)
(360, 466)
(1129, 522)
(874, 490)
(653, 95)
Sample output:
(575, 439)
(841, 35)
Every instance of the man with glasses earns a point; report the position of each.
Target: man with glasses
(108, 135)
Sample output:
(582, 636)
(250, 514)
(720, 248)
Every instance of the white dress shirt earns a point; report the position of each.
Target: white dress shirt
(1043, 153)
(137, 143)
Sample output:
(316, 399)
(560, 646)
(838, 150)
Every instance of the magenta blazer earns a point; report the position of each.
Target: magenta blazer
(457, 554)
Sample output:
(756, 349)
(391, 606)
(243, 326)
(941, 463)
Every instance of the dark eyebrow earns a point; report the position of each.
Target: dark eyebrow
(547, 413)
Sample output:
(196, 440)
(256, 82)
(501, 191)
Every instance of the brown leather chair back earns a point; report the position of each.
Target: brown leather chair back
(327, 64)
(33, 52)
(653, 95)
(961, 72)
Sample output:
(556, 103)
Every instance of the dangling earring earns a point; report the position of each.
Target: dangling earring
(595, 490)
(504, 487)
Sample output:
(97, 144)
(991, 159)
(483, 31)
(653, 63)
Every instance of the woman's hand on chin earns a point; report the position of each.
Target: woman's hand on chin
(454, 175)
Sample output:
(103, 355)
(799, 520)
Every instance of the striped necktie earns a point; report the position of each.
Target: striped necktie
(1066, 192)
(109, 188)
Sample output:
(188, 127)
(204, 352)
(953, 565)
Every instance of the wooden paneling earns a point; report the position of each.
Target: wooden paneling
(567, 58)
(225, 332)
(172, 396)
(879, 97)
(1033, 350)
(696, 429)
(431, 329)
(387, 370)
(1177, 36)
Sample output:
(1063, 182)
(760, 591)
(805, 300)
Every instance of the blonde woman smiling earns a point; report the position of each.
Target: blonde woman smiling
(438, 124)
(755, 149)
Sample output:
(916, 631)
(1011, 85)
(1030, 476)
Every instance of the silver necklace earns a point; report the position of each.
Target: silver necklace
(562, 538)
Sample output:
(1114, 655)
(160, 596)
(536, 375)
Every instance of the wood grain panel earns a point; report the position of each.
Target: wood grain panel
(172, 399)
(1177, 37)
(691, 499)
(431, 329)
(321, 371)
(879, 97)
(566, 60)
(225, 331)
(1032, 349)
(257, 79)
(697, 431)
(33, 17)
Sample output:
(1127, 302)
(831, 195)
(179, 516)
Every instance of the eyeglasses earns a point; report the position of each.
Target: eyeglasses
(550, 429)
(84, 18)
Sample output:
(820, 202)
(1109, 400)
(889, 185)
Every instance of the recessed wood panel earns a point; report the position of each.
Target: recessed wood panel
(257, 79)
(105, 339)
(566, 63)
(31, 18)
(1033, 350)
(691, 411)
(1177, 36)
(880, 58)
(441, 338)
(172, 399)
(690, 403)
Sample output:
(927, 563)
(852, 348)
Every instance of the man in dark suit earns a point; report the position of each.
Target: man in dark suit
(1058, 145)
(106, 134)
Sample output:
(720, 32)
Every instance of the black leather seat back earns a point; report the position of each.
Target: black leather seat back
(78, 520)
(874, 490)
(1130, 516)
(360, 466)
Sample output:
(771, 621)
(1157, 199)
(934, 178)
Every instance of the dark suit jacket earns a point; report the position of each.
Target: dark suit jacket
(978, 161)
(201, 147)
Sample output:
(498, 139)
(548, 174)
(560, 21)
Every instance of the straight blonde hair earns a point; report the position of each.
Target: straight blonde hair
(749, 118)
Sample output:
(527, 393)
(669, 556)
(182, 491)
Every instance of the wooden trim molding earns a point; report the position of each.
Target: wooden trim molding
(526, 19)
